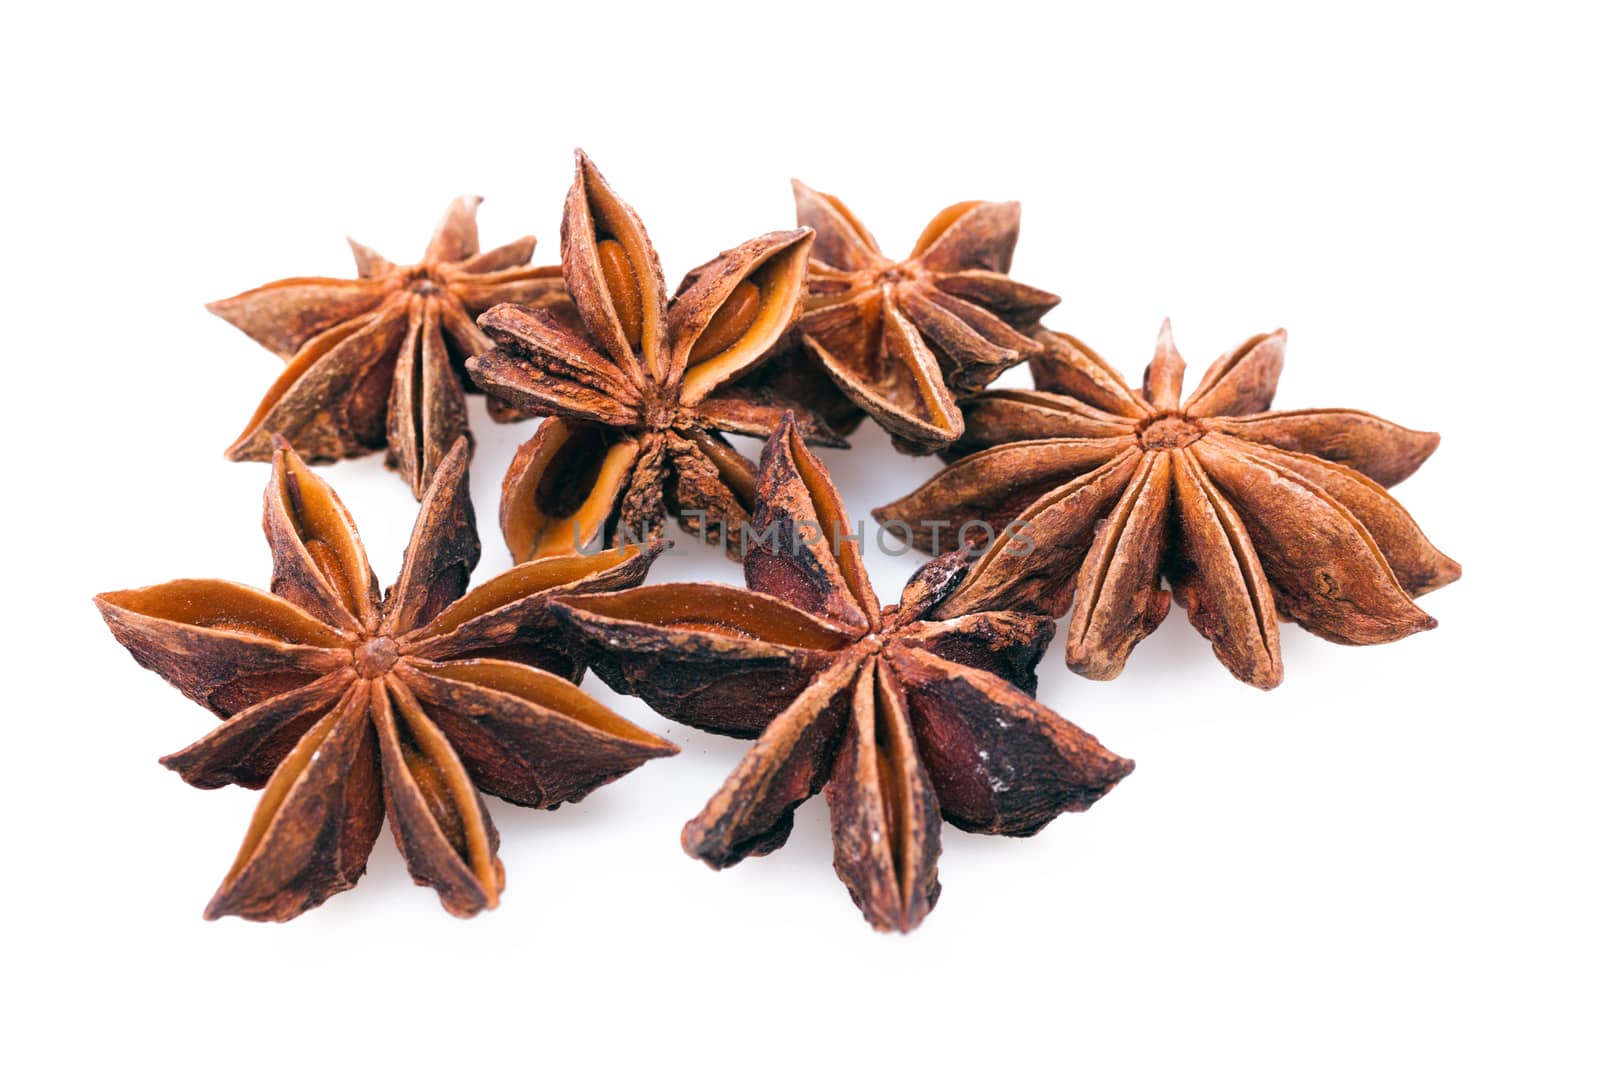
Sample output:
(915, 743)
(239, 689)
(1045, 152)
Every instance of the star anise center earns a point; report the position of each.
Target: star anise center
(895, 273)
(376, 657)
(1169, 430)
(663, 410)
(424, 281)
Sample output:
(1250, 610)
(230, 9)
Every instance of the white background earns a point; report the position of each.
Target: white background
(1390, 858)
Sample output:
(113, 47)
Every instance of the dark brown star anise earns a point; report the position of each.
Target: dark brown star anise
(343, 707)
(904, 340)
(379, 358)
(1092, 488)
(639, 402)
(898, 717)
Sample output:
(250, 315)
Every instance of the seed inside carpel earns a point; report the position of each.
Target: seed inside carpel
(622, 282)
(731, 322)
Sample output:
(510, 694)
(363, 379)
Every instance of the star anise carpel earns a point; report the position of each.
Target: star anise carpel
(905, 340)
(902, 716)
(343, 706)
(377, 360)
(1090, 492)
(641, 390)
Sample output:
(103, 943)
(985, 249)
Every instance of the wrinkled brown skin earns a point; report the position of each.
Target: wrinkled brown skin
(902, 342)
(640, 389)
(378, 360)
(343, 707)
(1247, 513)
(902, 718)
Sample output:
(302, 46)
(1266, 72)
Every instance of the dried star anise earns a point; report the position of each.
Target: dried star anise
(639, 402)
(379, 358)
(345, 707)
(904, 340)
(899, 718)
(1087, 487)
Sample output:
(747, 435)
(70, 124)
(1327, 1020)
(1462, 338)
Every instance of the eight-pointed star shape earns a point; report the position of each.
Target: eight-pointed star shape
(899, 717)
(640, 399)
(1096, 491)
(343, 707)
(904, 340)
(378, 359)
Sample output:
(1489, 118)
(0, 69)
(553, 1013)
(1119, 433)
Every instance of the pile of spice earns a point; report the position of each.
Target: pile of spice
(1085, 496)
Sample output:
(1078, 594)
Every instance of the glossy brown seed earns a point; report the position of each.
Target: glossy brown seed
(732, 320)
(622, 285)
(344, 707)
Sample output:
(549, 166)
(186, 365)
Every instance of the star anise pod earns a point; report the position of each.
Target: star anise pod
(905, 340)
(343, 707)
(379, 358)
(638, 403)
(900, 718)
(1091, 487)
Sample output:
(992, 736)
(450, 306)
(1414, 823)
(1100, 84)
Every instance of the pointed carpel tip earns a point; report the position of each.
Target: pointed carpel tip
(1165, 336)
(688, 839)
(238, 452)
(463, 444)
(1124, 767)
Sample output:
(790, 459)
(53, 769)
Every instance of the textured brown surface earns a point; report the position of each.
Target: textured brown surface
(900, 718)
(343, 706)
(1097, 491)
(377, 360)
(902, 341)
(639, 388)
